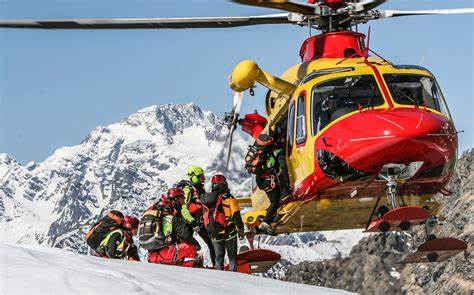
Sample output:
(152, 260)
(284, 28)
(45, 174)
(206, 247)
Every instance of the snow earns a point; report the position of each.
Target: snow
(34, 270)
(338, 243)
(395, 274)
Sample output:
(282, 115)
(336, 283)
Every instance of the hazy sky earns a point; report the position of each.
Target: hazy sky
(56, 85)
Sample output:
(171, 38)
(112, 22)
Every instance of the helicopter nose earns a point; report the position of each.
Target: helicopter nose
(368, 140)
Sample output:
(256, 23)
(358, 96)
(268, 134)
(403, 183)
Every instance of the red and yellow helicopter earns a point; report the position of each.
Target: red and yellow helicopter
(368, 142)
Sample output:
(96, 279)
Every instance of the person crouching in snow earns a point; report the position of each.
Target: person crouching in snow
(117, 241)
(171, 240)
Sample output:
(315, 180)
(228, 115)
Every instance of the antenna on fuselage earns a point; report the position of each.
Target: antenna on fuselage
(367, 47)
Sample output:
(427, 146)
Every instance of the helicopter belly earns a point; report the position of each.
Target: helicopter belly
(338, 214)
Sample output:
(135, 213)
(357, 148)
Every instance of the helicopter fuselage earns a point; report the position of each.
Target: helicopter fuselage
(350, 124)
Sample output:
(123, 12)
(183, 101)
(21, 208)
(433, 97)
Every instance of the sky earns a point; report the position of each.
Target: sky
(57, 85)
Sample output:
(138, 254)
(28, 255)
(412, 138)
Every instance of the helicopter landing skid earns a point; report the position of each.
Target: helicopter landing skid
(399, 219)
(436, 250)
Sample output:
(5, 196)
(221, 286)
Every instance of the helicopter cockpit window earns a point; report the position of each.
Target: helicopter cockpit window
(337, 97)
(416, 90)
(290, 134)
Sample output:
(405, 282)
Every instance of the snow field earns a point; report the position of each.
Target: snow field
(39, 270)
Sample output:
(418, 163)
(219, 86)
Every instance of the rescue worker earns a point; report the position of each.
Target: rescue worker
(192, 209)
(118, 244)
(264, 159)
(280, 168)
(226, 240)
(181, 247)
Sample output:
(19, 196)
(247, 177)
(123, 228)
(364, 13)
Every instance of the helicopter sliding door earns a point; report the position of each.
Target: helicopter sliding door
(300, 154)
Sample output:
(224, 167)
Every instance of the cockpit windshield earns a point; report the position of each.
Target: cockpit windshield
(337, 97)
(418, 90)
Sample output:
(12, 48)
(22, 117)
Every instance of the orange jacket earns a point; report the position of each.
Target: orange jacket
(232, 210)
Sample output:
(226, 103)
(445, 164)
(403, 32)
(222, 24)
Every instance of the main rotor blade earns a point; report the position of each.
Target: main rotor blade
(237, 103)
(290, 6)
(396, 13)
(150, 23)
(362, 6)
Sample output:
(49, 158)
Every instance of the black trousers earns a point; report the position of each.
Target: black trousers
(207, 239)
(268, 184)
(223, 243)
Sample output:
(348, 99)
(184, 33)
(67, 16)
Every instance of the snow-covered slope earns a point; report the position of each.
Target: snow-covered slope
(123, 166)
(33, 270)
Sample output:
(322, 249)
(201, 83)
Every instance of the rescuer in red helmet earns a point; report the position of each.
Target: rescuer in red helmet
(223, 221)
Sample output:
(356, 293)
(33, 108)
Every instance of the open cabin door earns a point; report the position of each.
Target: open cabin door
(299, 152)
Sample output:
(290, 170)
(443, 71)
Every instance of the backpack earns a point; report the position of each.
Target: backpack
(214, 217)
(255, 160)
(186, 183)
(194, 205)
(100, 229)
(150, 230)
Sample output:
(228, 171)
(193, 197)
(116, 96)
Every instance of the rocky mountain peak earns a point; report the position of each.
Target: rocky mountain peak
(170, 119)
(123, 166)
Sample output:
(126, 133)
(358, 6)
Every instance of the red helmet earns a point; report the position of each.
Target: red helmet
(174, 193)
(218, 178)
(219, 183)
(130, 222)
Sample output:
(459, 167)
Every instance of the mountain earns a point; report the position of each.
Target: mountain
(123, 166)
(371, 266)
(33, 270)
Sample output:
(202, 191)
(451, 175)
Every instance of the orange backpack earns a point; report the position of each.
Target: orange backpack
(100, 229)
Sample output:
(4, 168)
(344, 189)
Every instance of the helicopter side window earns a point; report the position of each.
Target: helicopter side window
(418, 90)
(291, 128)
(337, 97)
(301, 120)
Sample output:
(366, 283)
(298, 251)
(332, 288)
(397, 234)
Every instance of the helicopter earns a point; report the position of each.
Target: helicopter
(368, 143)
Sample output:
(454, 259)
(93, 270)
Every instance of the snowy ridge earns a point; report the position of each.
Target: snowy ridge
(33, 269)
(313, 246)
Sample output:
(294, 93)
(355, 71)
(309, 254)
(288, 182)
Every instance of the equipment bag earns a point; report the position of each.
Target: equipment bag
(214, 217)
(185, 183)
(99, 231)
(194, 206)
(150, 233)
(255, 160)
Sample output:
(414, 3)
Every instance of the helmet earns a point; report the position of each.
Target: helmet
(264, 140)
(174, 193)
(130, 222)
(194, 172)
(219, 183)
(218, 178)
(166, 206)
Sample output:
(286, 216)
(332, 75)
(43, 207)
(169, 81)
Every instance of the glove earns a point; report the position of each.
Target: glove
(196, 228)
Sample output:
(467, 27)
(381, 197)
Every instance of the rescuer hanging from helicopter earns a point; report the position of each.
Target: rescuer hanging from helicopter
(266, 159)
